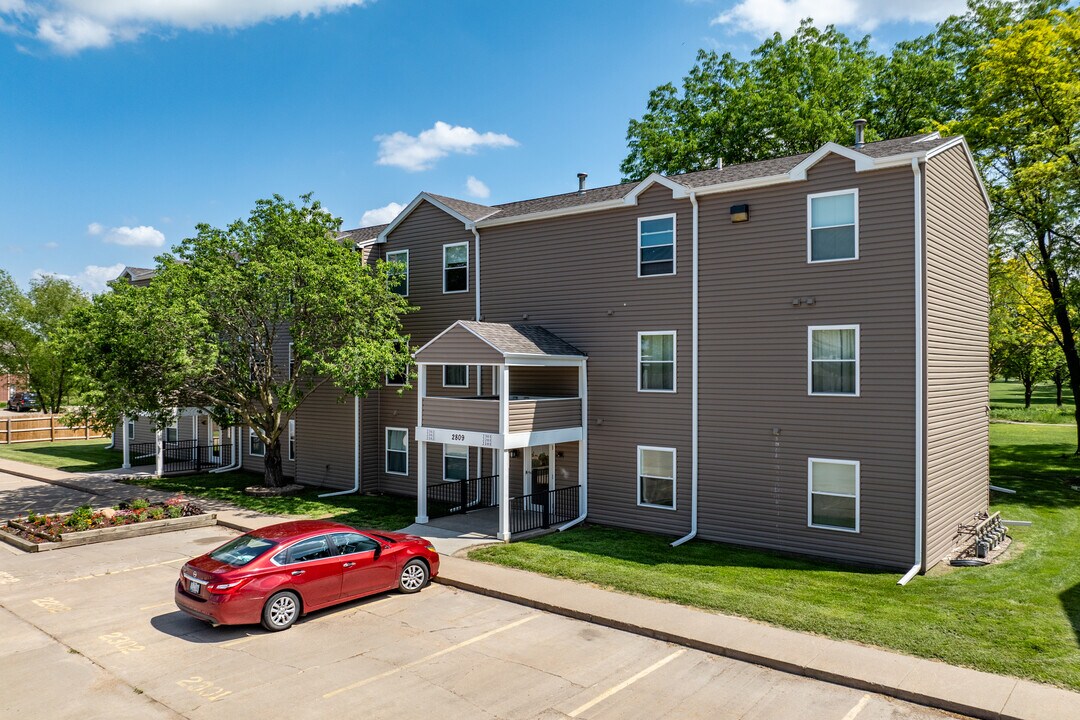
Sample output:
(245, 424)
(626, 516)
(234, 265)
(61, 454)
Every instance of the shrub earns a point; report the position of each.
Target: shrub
(174, 511)
(156, 513)
(140, 504)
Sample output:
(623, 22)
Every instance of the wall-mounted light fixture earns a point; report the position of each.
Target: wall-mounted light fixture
(740, 213)
(558, 453)
(514, 453)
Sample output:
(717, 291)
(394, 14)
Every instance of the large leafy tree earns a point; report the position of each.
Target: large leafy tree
(31, 343)
(213, 327)
(1023, 121)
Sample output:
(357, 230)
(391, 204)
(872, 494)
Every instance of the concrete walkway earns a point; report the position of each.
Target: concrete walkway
(935, 684)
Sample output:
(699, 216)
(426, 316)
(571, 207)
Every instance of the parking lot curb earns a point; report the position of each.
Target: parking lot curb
(924, 682)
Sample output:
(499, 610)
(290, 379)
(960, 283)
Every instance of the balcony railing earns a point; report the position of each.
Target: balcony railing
(543, 508)
(459, 496)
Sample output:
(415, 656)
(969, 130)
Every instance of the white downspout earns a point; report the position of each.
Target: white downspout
(920, 377)
(159, 460)
(237, 459)
(693, 379)
(127, 444)
(356, 453)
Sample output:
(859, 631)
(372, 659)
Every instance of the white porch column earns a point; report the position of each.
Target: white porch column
(127, 444)
(583, 449)
(503, 455)
(160, 453)
(421, 482)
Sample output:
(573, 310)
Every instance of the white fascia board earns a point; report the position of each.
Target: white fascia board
(541, 437)
(678, 191)
(412, 206)
(542, 360)
(959, 140)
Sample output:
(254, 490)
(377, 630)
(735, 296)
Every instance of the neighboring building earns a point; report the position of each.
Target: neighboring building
(787, 354)
(9, 385)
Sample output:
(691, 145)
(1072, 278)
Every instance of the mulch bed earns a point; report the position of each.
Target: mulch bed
(51, 528)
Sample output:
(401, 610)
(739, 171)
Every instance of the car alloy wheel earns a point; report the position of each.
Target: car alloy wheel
(281, 611)
(413, 576)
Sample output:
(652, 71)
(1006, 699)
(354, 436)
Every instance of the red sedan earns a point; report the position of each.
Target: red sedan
(276, 574)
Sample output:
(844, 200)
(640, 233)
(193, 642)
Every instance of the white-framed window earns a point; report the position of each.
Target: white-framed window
(455, 462)
(833, 360)
(656, 245)
(833, 497)
(292, 439)
(656, 477)
(456, 376)
(400, 278)
(455, 267)
(656, 361)
(256, 447)
(292, 361)
(832, 226)
(131, 429)
(172, 432)
(397, 451)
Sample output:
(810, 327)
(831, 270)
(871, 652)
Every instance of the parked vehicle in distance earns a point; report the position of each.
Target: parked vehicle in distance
(278, 573)
(22, 401)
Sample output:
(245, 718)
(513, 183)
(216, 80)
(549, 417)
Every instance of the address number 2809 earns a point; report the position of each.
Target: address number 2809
(457, 436)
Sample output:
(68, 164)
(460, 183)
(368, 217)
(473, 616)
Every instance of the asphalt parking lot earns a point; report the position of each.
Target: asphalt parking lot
(92, 632)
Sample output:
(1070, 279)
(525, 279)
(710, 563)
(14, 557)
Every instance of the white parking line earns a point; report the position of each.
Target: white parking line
(627, 683)
(853, 712)
(432, 656)
(233, 643)
(171, 603)
(125, 570)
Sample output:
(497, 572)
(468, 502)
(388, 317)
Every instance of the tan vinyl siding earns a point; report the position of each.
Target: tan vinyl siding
(758, 425)
(324, 439)
(435, 387)
(577, 277)
(533, 415)
(460, 347)
(462, 414)
(957, 460)
(544, 381)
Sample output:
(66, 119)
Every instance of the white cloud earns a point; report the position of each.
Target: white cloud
(763, 17)
(140, 236)
(381, 216)
(420, 152)
(477, 188)
(51, 245)
(70, 26)
(93, 278)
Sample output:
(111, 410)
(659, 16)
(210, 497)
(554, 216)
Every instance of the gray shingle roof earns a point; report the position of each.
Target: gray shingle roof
(701, 178)
(138, 273)
(521, 339)
(363, 234)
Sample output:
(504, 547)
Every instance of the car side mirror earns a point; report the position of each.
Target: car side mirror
(378, 551)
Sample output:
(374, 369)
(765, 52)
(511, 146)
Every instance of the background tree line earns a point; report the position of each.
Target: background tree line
(1006, 75)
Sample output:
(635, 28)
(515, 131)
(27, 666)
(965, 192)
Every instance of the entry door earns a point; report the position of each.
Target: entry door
(539, 470)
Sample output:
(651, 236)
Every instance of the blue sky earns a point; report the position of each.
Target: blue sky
(125, 122)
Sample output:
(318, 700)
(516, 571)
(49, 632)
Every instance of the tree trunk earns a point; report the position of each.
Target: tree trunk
(272, 473)
(1028, 386)
(1059, 381)
(1064, 322)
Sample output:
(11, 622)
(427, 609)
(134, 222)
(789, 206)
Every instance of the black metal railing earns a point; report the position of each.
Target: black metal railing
(181, 455)
(458, 496)
(543, 508)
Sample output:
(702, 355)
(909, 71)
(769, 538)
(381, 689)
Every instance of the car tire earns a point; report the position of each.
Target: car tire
(281, 610)
(414, 576)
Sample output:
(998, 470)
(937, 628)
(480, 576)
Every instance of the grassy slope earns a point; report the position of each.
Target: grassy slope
(69, 455)
(1021, 617)
(365, 511)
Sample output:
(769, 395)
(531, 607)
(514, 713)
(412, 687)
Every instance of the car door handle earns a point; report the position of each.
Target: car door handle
(348, 564)
(298, 572)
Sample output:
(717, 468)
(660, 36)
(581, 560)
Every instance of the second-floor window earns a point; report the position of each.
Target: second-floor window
(656, 245)
(656, 361)
(456, 268)
(834, 360)
(456, 376)
(832, 231)
(399, 278)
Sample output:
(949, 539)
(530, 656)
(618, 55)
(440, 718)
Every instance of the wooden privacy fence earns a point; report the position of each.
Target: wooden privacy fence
(42, 427)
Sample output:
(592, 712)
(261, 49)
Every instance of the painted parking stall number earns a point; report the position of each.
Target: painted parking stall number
(203, 688)
(51, 605)
(121, 642)
(7, 578)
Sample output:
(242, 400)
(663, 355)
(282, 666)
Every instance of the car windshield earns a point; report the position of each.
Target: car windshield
(242, 550)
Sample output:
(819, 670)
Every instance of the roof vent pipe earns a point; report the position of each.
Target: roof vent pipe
(581, 183)
(860, 126)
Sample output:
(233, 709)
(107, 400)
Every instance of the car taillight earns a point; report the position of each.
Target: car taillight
(221, 588)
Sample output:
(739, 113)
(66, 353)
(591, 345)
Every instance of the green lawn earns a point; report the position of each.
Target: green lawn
(1007, 403)
(1020, 617)
(69, 455)
(382, 512)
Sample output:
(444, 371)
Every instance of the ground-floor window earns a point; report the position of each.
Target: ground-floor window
(397, 451)
(455, 462)
(172, 432)
(292, 439)
(256, 447)
(834, 494)
(656, 477)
